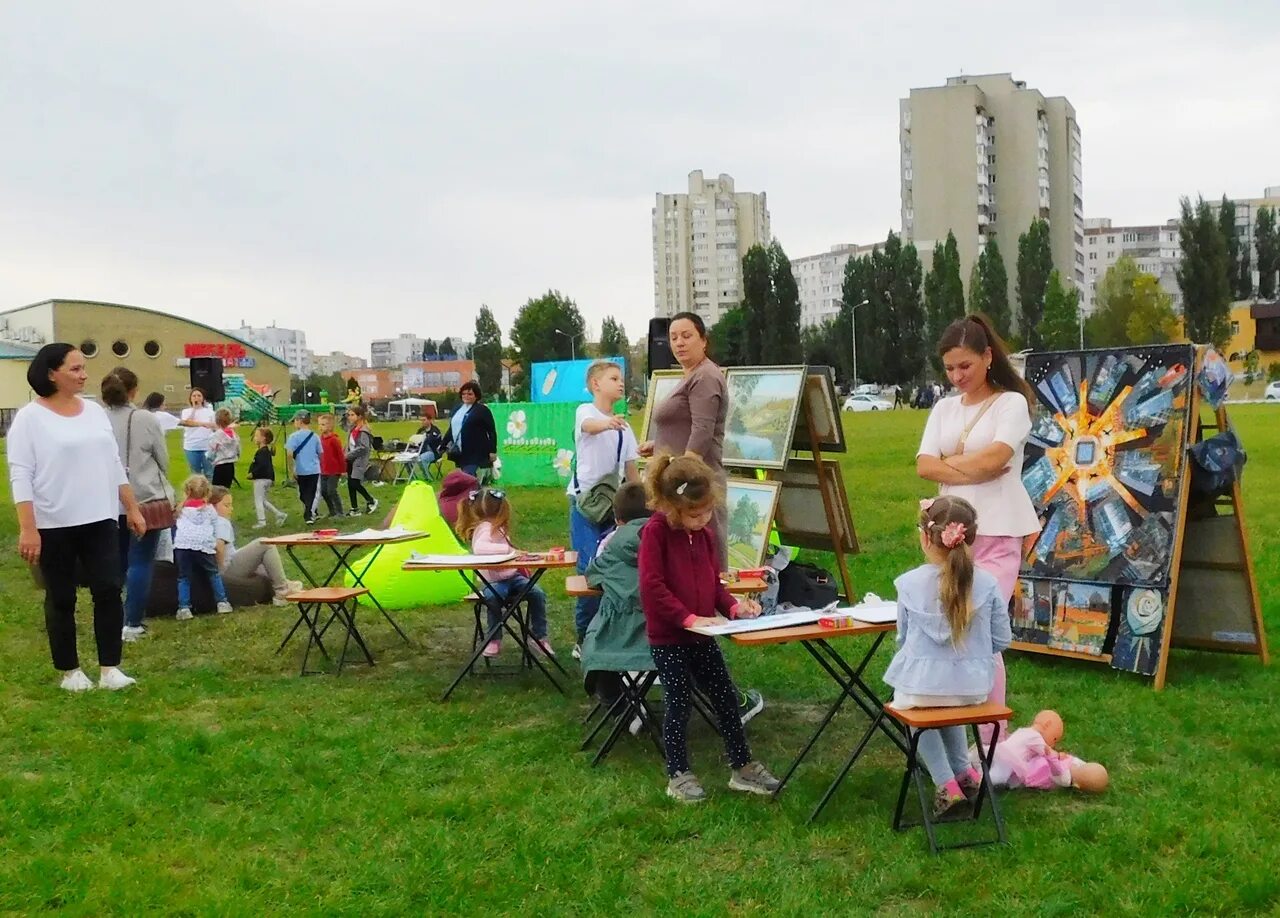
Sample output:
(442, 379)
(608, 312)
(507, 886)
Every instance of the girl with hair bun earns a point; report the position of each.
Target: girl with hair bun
(952, 620)
(680, 587)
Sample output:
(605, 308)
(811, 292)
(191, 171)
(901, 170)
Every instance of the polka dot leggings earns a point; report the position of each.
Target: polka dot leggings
(680, 667)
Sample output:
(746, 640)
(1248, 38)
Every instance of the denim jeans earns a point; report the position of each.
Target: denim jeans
(584, 536)
(499, 590)
(137, 560)
(188, 561)
(198, 462)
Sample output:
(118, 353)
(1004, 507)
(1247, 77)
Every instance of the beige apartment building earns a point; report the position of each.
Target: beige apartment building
(982, 157)
(1155, 249)
(820, 280)
(699, 239)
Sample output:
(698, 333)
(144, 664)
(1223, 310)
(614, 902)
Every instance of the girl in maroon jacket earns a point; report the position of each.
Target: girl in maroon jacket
(679, 587)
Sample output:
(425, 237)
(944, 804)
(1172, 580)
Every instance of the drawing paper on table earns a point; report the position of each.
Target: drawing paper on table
(371, 535)
(877, 613)
(766, 622)
(458, 560)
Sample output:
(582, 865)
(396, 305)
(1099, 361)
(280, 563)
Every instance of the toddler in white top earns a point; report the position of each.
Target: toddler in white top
(195, 545)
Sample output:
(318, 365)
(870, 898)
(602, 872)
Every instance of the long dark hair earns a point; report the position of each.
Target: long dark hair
(974, 333)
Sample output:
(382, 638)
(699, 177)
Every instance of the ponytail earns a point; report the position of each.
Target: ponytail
(681, 484)
(975, 333)
(951, 524)
(117, 385)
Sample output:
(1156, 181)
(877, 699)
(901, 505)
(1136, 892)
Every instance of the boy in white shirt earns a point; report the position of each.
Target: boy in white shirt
(604, 446)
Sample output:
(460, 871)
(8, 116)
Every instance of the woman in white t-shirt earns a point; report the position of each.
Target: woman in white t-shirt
(70, 486)
(197, 423)
(604, 444)
(972, 447)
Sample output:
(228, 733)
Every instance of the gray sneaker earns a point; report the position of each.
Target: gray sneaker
(685, 788)
(753, 778)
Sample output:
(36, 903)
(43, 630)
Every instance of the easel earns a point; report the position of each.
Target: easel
(830, 483)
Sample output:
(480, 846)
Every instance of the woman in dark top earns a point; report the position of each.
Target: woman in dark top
(472, 441)
(691, 420)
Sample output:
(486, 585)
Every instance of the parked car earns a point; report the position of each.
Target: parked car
(867, 389)
(1273, 392)
(864, 402)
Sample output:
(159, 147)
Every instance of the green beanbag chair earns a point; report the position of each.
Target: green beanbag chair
(398, 589)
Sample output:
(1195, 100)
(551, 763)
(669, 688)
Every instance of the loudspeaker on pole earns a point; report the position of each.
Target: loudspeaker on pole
(660, 357)
(206, 375)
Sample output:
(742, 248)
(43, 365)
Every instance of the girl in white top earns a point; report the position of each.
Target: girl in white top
(972, 447)
(69, 487)
(197, 423)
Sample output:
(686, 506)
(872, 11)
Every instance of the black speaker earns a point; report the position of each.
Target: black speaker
(660, 346)
(206, 375)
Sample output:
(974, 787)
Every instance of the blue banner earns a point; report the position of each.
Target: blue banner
(565, 380)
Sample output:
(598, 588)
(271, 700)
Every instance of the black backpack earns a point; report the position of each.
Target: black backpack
(806, 585)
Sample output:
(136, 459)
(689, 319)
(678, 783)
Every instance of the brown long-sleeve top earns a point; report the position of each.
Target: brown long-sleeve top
(692, 418)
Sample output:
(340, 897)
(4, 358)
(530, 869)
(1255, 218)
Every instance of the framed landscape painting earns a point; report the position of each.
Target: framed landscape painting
(751, 505)
(763, 405)
(661, 384)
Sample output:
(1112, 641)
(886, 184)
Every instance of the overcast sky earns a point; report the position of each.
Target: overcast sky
(360, 170)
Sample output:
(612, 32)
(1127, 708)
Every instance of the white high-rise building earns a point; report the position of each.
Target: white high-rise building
(820, 280)
(699, 240)
(289, 344)
(1155, 249)
(982, 157)
(396, 352)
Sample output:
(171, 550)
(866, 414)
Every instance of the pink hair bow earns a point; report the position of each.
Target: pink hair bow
(953, 534)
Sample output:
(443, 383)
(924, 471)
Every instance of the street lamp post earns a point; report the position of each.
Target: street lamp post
(573, 351)
(853, 327)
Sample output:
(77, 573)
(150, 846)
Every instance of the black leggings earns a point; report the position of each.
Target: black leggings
(356, 486)
(680, 666)
(95, 546)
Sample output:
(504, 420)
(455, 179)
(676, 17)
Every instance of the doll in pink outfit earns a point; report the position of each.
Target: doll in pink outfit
(1027, 758)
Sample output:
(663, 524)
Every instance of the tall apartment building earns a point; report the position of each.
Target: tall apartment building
(289, 344)
(1156, 249)
(820, 279)
(699, 240)
(395, 352)
(335, 362)
(982, 157)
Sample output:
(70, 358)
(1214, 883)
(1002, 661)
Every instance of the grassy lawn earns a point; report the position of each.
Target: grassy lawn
(224, 783)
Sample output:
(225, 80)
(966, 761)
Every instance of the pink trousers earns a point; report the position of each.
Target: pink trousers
(1000, 556)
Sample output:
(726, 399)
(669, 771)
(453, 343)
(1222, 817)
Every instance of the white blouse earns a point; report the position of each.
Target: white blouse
(1003, 505)
(67, 467)
(197, 438)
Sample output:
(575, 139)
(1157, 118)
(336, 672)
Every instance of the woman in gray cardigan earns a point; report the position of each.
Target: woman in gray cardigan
(146, 461)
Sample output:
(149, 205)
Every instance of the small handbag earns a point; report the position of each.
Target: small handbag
(596, 505)
(157, 514)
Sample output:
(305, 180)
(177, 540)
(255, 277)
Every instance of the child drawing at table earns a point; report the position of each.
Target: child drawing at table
(951, 621)
(484, 520)
(679, 587)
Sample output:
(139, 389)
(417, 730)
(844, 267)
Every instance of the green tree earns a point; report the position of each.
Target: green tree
(782, 336)
(1035, 262)
(446, 349)
(1273, 371)
(743, 520)
(854, 289)
(1204, 275)
(1267, 241)
(995, 289)
(907, 309)
(1227, 226)
(943, 294)
(613, 339)
(1152, 320)
(729, 338)
(821, 344)
(1060, 326)
(757, 292)
(547, 328)
(1251, 362)
(1131, 309)
(977, 293)
(487, 351)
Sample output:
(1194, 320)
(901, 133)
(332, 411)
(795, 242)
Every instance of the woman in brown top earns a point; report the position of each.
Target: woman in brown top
(691, 420)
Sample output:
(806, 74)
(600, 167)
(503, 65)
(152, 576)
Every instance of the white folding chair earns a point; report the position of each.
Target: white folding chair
(406, 461)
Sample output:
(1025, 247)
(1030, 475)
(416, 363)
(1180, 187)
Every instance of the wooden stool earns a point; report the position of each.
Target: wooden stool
(917, 720)
(342, 607)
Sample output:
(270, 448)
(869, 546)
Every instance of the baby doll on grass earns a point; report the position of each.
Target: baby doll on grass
(1028, 758)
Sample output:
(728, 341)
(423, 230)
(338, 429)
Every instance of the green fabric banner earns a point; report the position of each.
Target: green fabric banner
(535, 442)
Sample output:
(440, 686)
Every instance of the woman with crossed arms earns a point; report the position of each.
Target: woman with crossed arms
(972, 447)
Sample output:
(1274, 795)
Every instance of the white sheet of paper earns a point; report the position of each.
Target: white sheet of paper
(766, 622)
(873, 613)
(365, 535)
(459, 560)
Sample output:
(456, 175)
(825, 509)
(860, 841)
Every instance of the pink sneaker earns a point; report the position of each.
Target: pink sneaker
(492, 648)
(545, 645)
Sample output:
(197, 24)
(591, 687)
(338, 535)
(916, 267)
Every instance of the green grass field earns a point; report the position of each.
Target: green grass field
(225, 784)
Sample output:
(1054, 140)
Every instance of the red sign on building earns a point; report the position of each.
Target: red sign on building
(225, 350)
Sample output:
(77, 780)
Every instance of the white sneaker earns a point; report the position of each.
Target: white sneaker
(295, 586)
(224, 608)
(281, 518)
(113, 680)
(373, 507)
(260, 525)
(76, 681)
(576, 653)
(279, 600)
(129, 633)
(184, 615)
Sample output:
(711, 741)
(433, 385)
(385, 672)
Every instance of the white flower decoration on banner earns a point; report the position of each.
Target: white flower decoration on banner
(563, 462)
(517, 425)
